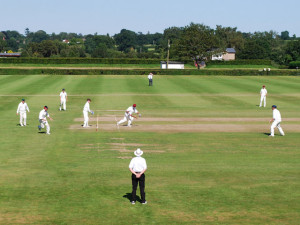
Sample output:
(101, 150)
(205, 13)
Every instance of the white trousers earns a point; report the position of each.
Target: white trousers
(128, 118)
(263, 99)
(45, 123)
(86, 119)
(23, 117)
(276, 124)
(63, 104)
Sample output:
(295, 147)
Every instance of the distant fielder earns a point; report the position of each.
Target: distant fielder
(276, 120)
(129, 115)
(43, 119)
(63, 100)
(22, 107)
(150, 78)
(86, 110)
(263, 96)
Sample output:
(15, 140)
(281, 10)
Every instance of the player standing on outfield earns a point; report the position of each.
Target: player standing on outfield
(276, 120)
(43, 119)
(63, 100)
(128, 115)
(86, 110)
(150, 78)
(22, 107)
(263, 96)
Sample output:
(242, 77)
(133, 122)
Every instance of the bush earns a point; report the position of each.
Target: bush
(79, 61)
(294, 65)
(242, 62)
(218, 72)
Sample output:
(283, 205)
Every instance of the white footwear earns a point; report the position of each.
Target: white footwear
(271, 135)
(47, 133)
(145, 202)
(21, 125)
(133, 202)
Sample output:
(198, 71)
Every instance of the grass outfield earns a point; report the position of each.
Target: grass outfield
(80, 176)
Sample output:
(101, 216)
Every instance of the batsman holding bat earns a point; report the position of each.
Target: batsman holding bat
(129, 115)
(86, 110)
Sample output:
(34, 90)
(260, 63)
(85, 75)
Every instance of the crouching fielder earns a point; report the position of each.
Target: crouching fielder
(128, 115)
(86, 110)
(22, 107)
(43, 119)
(276, 120)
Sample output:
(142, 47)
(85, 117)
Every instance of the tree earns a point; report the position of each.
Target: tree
(126, 40)
(285, 35)
(196, 43)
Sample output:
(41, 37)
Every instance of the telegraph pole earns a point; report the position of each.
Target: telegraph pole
(168, 54)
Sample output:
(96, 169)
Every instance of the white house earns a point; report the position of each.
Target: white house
(229, 54)
(172, 65)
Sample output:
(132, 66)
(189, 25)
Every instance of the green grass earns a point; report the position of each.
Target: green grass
(193, 178)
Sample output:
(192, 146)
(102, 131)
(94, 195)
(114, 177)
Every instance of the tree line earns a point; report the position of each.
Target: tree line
(193, 42)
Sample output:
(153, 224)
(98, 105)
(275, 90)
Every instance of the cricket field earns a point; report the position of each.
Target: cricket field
(210, 159)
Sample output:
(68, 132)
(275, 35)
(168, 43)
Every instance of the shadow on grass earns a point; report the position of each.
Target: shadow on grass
(267, 134)
(42, 132)
(129, 197)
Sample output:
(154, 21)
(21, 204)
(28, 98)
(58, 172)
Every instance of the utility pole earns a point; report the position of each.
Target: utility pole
(168, 54)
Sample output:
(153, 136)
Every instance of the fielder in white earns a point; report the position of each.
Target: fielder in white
(150, 78)
(128, 115)
(276, 120)
(263, 96)
(22, 107)
(63, 100)
(86, 110)
(43, 119)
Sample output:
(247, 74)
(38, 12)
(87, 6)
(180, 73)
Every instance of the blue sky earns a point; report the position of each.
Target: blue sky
(110, 16)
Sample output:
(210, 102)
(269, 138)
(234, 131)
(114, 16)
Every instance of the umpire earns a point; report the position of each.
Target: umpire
(138, 167)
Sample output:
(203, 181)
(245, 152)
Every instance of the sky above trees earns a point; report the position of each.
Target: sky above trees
(102, 17)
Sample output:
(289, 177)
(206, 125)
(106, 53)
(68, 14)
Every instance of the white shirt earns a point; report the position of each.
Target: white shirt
(150, 76)
(276, 115)
(43, 114)
(86, 107)
(63, 96)
(131, 110)
(263, 92)
(138, 164)
(22, 107)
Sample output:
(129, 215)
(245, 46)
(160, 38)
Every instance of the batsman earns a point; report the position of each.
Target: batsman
(129, 115)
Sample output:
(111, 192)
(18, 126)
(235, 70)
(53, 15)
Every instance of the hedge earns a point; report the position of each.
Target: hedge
(294, 65)
(227, 72)
(121, 61)
(78, 61)
(241, 62)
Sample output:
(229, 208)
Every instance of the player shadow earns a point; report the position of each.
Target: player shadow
(129, 197)
(267, 134)
(20, 125)
(42, 132)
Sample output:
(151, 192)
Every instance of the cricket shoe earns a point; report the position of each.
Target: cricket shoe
(40, 128)
(144, 203)
(48, 133)
(133, 203)
(21, 125)
(271, 135)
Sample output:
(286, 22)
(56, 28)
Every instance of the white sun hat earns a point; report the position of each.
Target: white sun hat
(138, 152)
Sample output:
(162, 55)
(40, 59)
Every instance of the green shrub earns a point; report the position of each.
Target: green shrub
(227, 72)
(241, 62)
(79, 61)
(294, 65)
